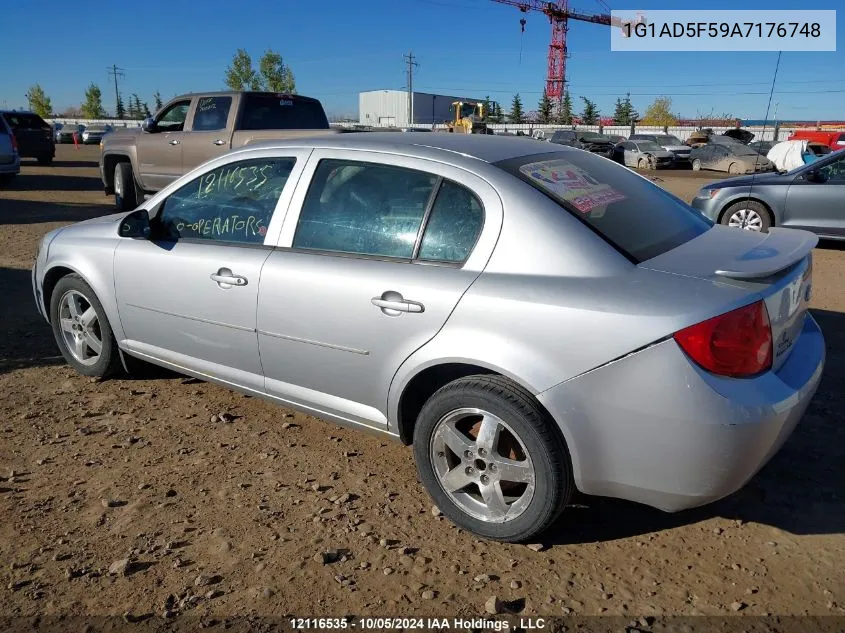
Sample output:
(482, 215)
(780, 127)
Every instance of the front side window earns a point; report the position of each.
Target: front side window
(834, 171)
(364, 208)
(233, 203)
(634, 215)
(173, 119)
(212, 113)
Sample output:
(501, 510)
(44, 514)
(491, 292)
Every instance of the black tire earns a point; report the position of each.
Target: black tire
(44, 160)
(108, 361)
(125, 191)
(554, 484)
(752, 205)
(6, 179)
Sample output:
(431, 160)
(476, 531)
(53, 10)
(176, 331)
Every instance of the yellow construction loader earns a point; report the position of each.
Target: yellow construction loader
(469, 118)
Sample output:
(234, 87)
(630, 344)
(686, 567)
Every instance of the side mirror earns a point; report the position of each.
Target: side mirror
(136, 225)
(149, 124)
(814, 175)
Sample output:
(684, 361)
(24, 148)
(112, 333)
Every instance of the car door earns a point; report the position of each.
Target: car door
(209, 129)
(631, 154)
(160, 149)
(819, 204)
(370, 266)
(188, 295)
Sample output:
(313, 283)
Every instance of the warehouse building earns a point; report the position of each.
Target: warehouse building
(390, 108)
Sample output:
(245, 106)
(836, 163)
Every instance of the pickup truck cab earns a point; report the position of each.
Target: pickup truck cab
(835, 140)
(192, 129)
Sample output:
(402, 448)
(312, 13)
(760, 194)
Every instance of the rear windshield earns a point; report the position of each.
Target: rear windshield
(841, 138)
(25, 121)
(637, 217)
(593, 136)
(282, 112)
(669, 140)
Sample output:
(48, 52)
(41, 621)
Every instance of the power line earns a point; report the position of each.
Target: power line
(115, 72)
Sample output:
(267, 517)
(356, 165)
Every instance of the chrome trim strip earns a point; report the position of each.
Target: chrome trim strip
(192, 318)
(297, 339)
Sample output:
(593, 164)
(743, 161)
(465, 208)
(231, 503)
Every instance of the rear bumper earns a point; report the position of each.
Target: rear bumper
(11, 168)
(656, 429)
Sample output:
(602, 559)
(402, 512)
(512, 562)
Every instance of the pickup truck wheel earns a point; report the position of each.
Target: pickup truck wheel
(491, 459)
(125, 198)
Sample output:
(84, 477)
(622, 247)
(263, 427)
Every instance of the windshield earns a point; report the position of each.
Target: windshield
(668, 139)
(649, 146)
(634, 215)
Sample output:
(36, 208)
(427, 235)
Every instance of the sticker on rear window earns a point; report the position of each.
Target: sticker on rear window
(573, 184)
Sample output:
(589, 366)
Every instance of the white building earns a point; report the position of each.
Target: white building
(390, 108)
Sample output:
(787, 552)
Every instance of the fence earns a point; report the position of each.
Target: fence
(113, 122)
(767, 133)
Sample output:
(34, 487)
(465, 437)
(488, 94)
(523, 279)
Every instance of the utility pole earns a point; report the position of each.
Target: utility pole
(115, 72)
(409, 59)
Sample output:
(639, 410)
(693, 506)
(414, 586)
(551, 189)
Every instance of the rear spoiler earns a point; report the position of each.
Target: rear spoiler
(778, 250)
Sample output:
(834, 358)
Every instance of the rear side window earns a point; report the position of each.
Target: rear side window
(25, 121)
(453, 226)
(282, 112)
(211, 113)
(637, 217)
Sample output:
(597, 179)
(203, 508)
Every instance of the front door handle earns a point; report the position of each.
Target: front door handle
(225, 278)
(393, 303)
(175, 141)
(219, 142)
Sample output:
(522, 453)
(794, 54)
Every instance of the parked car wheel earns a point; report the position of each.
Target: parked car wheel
(749, 215)
(734, 168)
(491, 459)
(5, 179)
(642, 163)
(696, 165)
(44, 160)
(125, 198)
(81, 328)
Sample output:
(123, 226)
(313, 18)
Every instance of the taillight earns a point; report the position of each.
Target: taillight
(14, 143)
(735, 344)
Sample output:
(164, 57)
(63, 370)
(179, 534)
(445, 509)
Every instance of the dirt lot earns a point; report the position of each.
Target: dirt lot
(232, 518)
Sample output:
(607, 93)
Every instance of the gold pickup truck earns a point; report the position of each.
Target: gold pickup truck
(192, 129)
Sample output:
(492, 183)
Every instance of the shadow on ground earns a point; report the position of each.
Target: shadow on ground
(36, 212)
(53, 182)
(801, 490)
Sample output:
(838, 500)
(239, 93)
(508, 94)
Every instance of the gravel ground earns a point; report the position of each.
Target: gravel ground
(133, 497)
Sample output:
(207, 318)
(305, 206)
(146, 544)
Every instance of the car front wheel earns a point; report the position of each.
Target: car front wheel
(81, 328)
(749, 215)
(491, 459)
(696, 165)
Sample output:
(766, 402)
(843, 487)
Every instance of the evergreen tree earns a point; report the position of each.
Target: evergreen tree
(564, 113)
(92, 108)
(590, 115)
(544, 108)
(487, 105)
(157, 99)
(516, 115)
(39, 102)
(120, 109)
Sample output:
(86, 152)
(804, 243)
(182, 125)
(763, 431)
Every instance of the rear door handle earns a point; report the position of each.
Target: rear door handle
(393, 303)
(225, 278)
(175, 141)
(219, 142)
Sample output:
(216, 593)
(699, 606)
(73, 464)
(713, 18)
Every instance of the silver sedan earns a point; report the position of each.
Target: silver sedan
(533, 319)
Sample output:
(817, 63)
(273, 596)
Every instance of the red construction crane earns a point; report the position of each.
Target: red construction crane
(559, 15)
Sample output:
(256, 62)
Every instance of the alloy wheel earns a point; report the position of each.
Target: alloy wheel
(482, 465)
(80, 327)
(747, 219)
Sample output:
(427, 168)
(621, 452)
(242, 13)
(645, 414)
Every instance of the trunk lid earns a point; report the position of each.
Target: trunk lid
(774, 266)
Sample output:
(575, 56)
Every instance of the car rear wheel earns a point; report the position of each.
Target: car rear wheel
(696, 165)
(5, 179)
(125, 198)
(491, 459)
(734, 168)
(81, 328)
(749, 215)
(44, 160)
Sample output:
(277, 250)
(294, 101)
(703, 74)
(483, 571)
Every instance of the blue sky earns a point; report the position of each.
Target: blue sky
(338, 48)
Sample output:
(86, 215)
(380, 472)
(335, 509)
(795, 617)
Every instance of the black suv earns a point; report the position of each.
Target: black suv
(582, 139)
(34, 135)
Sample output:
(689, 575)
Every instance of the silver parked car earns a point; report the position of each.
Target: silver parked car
(643, 155)
(811, 197)
(670, 143)
(533, 319)
(94, 133)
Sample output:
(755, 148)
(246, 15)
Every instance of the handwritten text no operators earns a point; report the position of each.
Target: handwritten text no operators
(234, 226)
